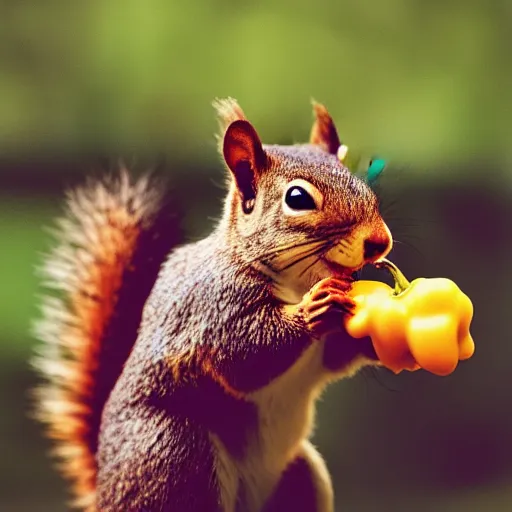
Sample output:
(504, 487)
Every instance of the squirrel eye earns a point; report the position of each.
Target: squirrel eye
(298, 199)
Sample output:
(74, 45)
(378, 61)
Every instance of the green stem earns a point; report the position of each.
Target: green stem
(401, 282)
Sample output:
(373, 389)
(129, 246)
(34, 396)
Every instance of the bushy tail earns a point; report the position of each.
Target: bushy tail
(111, 242)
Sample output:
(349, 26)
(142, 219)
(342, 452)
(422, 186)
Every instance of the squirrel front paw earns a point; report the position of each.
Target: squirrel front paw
(325, 305)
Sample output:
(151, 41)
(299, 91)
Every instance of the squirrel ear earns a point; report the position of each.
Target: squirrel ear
(324, 132)
(245, 157)
(228, 111)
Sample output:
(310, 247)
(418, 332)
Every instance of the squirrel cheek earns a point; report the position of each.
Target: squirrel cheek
(348, 253)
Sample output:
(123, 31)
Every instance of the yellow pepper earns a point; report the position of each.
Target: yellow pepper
(422, 324)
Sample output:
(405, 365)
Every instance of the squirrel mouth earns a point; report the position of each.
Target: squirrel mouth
(341, 272)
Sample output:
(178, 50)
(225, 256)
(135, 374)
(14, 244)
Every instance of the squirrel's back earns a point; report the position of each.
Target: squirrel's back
(111, 242)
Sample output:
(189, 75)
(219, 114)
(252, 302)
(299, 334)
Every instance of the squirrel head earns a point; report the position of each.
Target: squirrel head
(296, 212)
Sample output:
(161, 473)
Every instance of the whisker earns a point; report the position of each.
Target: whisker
(268, 258)
(275, 253)
(314, 262)
(290, 260)
(407, 244)
(305, 255)
(413, 247)
(325, 236)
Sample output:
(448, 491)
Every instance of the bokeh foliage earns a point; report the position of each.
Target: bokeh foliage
(425, 84)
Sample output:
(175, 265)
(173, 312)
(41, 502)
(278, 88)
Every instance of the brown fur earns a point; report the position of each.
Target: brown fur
(228, 111)
(324, 132)
(99, 237)
(152, 401)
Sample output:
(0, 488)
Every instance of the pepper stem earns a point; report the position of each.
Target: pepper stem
(401, 282)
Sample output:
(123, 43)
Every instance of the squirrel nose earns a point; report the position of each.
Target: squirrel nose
(377, 245)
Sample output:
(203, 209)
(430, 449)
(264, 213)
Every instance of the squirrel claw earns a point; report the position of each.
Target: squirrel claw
(325, 305)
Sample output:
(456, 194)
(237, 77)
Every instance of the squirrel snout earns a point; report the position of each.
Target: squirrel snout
(366, 245)
(378, 244)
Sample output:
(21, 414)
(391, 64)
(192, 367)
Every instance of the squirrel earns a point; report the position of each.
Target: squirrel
(184, 377)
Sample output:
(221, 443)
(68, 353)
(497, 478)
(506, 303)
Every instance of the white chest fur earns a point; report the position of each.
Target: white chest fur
(286, 418)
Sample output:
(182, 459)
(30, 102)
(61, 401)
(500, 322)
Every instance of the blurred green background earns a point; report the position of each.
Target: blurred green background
(425, 84)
